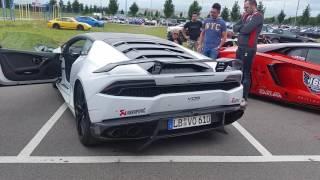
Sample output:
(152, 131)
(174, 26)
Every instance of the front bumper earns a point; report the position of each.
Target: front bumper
(155, 125)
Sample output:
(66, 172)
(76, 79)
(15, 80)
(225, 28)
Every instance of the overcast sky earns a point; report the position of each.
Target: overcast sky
(273, 6)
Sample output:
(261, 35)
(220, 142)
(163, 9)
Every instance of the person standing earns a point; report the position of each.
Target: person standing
(213, 34)
(194, 29)
(248, 29)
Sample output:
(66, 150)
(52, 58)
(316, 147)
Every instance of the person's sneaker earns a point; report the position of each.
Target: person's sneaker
(243, 103)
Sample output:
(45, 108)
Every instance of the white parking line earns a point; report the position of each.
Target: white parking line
(252, 140)
(35, 141)
(157, 159)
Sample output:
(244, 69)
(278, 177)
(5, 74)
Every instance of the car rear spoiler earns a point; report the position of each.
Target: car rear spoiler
(111, 66)
(157, 64)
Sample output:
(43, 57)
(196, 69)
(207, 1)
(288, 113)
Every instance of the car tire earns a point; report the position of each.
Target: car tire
(80, 28)
(275, 41)
(82, 118)
(56, 26)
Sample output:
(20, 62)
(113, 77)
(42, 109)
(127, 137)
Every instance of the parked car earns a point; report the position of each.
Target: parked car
(136, 21)
(285, 36)
(310, 33)
(68, 23)
(288, 72)
(150, 22)
(90, 20)
(267, 29)
(130, 86)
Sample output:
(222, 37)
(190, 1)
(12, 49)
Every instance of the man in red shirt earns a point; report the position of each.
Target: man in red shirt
(248, 29)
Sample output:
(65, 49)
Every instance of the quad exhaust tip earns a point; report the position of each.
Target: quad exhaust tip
(132, 131)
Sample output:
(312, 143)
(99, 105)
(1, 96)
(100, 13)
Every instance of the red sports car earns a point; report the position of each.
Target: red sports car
(288, 72)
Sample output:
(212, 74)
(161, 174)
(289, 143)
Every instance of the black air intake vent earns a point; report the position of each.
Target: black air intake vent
(148, 88)
(141, 43)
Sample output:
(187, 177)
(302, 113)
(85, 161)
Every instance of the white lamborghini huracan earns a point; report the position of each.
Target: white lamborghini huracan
(130, 86)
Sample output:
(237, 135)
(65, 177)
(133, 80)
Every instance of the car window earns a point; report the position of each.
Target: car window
(314, 56)
(277, 31)
(76, 47)
(80, 47)
(298, 53)
(66, 19)
(87, 46)
(264, 29)
(288, 33)
(70, 20)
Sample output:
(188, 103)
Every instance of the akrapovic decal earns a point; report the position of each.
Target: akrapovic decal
(312, 82)
(124, 112)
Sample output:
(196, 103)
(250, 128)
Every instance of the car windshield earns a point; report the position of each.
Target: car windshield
(286, 32)
(91, 18)
(72, 20)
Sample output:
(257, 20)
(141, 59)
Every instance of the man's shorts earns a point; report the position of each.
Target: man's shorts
(192, 45)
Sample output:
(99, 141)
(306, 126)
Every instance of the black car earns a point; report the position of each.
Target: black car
(285, 36)
(311, 33)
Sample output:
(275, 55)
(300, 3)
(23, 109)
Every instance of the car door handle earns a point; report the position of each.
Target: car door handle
(39, 60)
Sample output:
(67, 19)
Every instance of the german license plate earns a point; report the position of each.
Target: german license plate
(191, 121)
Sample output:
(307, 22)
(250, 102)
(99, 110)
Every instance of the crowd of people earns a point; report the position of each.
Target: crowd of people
(209, 36)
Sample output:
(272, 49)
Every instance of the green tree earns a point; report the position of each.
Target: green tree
(269, 20)
(81, 8)
(76, 6)
(113, 7)
(318, 19)
(225, 14)
(305, 16)
(69, 7)
(194, 7)
(168, 8)
(145, 13)
(134, 8)
(281, 17)
(157, 14)
(273, 19)
(61, 5)
(51, 2)
(106, 10)
(261, 7)
(289, 20)
(313, 21)
(90, 9)
(235, 12)
(95, 8)
(122, 11)
(181, 15)
(86, 9)
(7, 3)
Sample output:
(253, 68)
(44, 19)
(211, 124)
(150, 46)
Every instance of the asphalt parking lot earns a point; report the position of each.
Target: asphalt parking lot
(38, 140)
